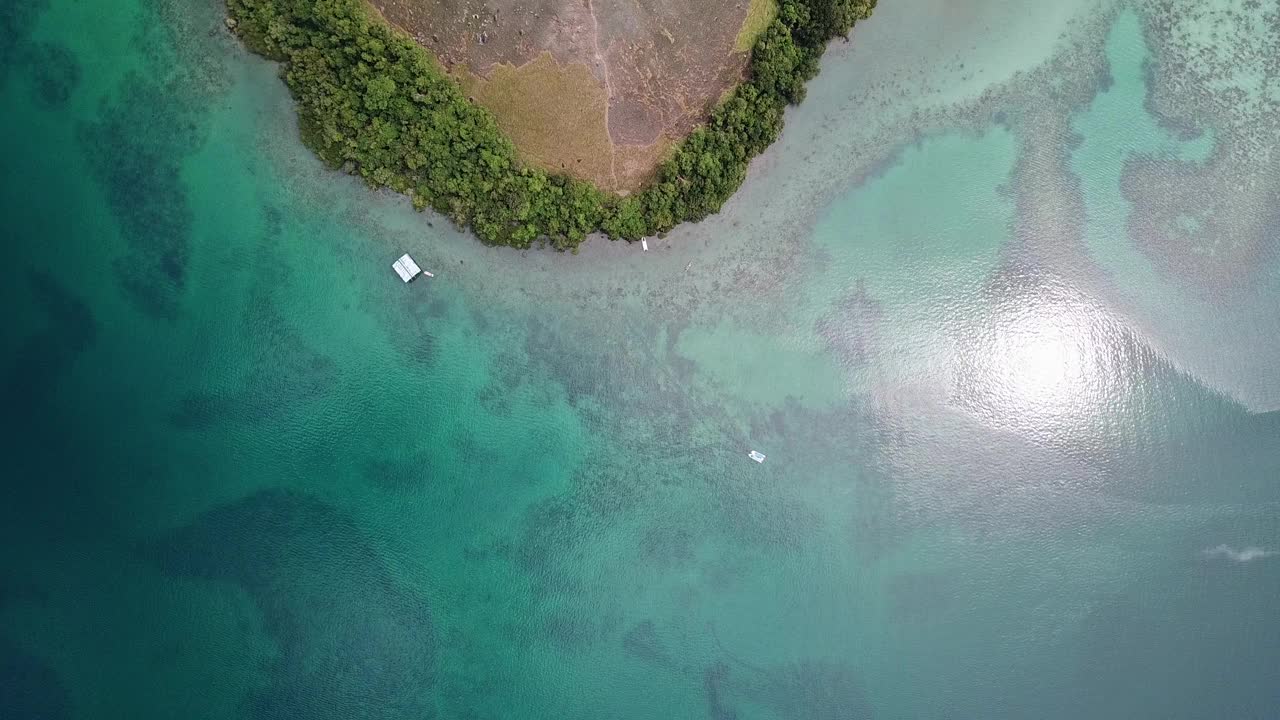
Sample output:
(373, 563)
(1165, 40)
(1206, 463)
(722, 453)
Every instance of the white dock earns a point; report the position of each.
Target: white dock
(407, 269)
(756, 455)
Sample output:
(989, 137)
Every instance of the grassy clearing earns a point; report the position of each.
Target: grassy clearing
(555, 114)
(759, 15)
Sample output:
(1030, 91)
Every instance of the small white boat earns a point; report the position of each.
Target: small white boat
(756, 455)
(644, 244)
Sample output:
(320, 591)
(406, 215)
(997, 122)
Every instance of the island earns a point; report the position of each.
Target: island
(543, 121)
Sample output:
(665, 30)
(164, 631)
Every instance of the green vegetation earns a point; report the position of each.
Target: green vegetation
(371, 100)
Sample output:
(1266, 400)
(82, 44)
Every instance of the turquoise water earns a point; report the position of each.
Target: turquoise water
(1017, 392)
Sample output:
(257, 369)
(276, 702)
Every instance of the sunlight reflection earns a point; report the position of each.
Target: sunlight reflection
(1041, 357)
(1045, 359)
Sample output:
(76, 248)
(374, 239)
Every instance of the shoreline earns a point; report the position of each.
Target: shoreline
(375, 103)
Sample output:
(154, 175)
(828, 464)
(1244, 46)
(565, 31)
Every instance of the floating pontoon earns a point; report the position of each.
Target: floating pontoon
(756, 455)
(406, 268)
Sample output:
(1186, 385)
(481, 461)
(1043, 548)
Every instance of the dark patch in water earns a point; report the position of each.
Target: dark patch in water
(549, 528)
(611, 488)
(1105, 79)
(580, 373)
(141, 136)
(850, 329)
(302, 376)
(766, 519)
(820, 690)
(569, 631)
(399, 475)
(876, 525)
(17, 20)
(421, 349)
(1183, 129)
(437, 308)
(286, 373)
(198, 411)
(54, 72)
(353, 643)
(45, 495)
(713, 679)
(29, 689)
(33, 371)
(135, 149)
(642, 642)
(668, 544)
(1201, 225)
(810, 689)
(480, 318)
(413, 332)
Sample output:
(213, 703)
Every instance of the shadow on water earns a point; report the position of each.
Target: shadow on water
(44, 491)
(34, 370)
(139, 139)
(346, 631)
(285, 370)
(299, 375)
(17, 20)
(400, 475)
(642, 642)
(810, 688)
(135, 148)
(29, 690)
(54, 72)
(850, 330)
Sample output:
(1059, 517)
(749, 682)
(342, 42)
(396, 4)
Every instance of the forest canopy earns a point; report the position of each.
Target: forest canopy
(374, 102)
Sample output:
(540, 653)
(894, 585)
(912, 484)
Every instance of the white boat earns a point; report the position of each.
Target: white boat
(756, 455)
(645, 245)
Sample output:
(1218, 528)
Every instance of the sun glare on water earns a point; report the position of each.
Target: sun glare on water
(1041, 362)
(1041, 359)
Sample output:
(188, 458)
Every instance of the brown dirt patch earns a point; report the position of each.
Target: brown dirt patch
(558, 73)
